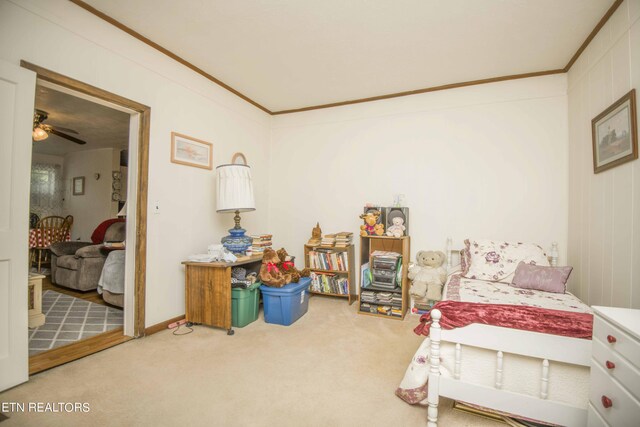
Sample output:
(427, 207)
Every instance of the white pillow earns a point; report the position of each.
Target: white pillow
(497, 261)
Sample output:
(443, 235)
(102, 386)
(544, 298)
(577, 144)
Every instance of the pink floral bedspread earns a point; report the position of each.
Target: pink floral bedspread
(480, 291)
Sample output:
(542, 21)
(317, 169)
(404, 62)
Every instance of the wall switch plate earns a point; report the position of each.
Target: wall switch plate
(156, 207)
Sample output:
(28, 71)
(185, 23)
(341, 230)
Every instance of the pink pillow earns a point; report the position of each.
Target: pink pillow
(548, 279)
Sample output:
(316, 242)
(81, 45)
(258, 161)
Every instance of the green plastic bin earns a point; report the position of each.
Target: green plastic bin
(245, 305)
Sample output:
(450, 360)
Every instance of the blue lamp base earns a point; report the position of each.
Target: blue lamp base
(237, 242)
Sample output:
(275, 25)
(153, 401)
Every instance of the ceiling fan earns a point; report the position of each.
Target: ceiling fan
(41, 131)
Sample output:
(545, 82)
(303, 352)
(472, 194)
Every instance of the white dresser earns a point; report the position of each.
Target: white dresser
(614, 396)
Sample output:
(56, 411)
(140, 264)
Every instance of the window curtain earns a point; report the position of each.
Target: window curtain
(47, 192)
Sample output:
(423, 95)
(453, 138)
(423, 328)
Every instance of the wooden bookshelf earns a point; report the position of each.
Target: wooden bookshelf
(401, 245)
(349, 273)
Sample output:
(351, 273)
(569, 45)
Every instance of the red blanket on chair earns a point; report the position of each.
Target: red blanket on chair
(457, 314)
(98, 234)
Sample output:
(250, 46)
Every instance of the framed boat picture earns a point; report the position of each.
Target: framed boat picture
(615, 134)
(189, 151)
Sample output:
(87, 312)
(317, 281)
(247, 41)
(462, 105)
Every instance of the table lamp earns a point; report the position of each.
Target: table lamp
(235, 194)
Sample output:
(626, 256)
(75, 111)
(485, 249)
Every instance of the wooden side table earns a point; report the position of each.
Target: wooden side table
(208, 291)
(36, 317)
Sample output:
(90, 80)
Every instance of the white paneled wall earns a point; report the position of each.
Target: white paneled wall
(604, 229)
(487, 161)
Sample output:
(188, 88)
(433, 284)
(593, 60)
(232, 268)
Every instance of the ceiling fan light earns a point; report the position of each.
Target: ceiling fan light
(39, 134)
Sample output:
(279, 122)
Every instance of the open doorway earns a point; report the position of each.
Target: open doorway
(77, 235)
(93, 164)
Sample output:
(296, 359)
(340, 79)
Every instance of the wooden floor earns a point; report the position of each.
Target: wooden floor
(91, 296)
(58, 356)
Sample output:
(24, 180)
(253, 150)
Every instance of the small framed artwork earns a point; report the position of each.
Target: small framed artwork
(191, 151)
(78, 186)
(615, 134)
(397, 221)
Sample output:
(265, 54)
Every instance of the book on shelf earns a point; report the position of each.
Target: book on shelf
(320, 259)
(261, 242)
(329, 283)
(328, 240)
(343, 239)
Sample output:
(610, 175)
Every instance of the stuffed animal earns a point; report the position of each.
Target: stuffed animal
(397, 229)
(286, 265)
(270, 274)
(371, 226)
(428, 276)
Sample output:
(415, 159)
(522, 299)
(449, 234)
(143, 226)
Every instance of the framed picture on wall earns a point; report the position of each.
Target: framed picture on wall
(615, 134)
(191, 151)
(78, 185)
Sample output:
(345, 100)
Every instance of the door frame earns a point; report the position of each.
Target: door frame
(144, 113)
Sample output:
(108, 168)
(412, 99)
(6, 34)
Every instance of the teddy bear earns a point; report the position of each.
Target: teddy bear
(371, 226)
(397, 228)
(428, 276)
(270, 274)
(287, 266)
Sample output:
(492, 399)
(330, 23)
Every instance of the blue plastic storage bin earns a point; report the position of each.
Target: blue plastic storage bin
(285, 305)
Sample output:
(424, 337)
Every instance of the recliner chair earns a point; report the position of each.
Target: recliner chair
(78, 265)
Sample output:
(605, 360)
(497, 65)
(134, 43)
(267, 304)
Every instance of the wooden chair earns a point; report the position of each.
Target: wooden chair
(51, 229)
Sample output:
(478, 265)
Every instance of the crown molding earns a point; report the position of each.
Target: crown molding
(208, 76)
(592, 34)
(425, 90)
(167, 52)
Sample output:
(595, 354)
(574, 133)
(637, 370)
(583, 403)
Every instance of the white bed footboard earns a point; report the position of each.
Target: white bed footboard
(544, 347)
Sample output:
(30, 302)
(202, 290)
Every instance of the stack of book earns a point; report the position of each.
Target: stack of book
(368, 296)
(396, 300)
(344, 239)
(328, 240)
(327, 260)
(384, 309)
(260, 243)
(383, 298)
(423, 307)
(329, 283)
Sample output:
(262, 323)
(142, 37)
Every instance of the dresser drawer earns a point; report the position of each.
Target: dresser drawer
(618, 367)
(614, 338)
(624, 409)
(594, 419)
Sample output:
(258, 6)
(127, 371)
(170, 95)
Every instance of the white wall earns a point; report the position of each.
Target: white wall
(94, 206)
(482, 161)
(604, 231)
(62, 37)
(487, 160)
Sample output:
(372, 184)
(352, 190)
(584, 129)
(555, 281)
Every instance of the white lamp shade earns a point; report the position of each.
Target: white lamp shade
(39, 134)
(235, 189)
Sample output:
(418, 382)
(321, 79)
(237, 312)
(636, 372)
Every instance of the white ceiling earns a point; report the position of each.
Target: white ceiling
(287, 54)
(99, 126)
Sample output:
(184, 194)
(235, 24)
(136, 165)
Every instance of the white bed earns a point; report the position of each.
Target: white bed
(528, 374)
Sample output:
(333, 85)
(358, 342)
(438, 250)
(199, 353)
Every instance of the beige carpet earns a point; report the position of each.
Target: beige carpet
(331, 368)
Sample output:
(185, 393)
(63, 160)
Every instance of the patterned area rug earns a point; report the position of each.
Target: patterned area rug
(70, 319)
